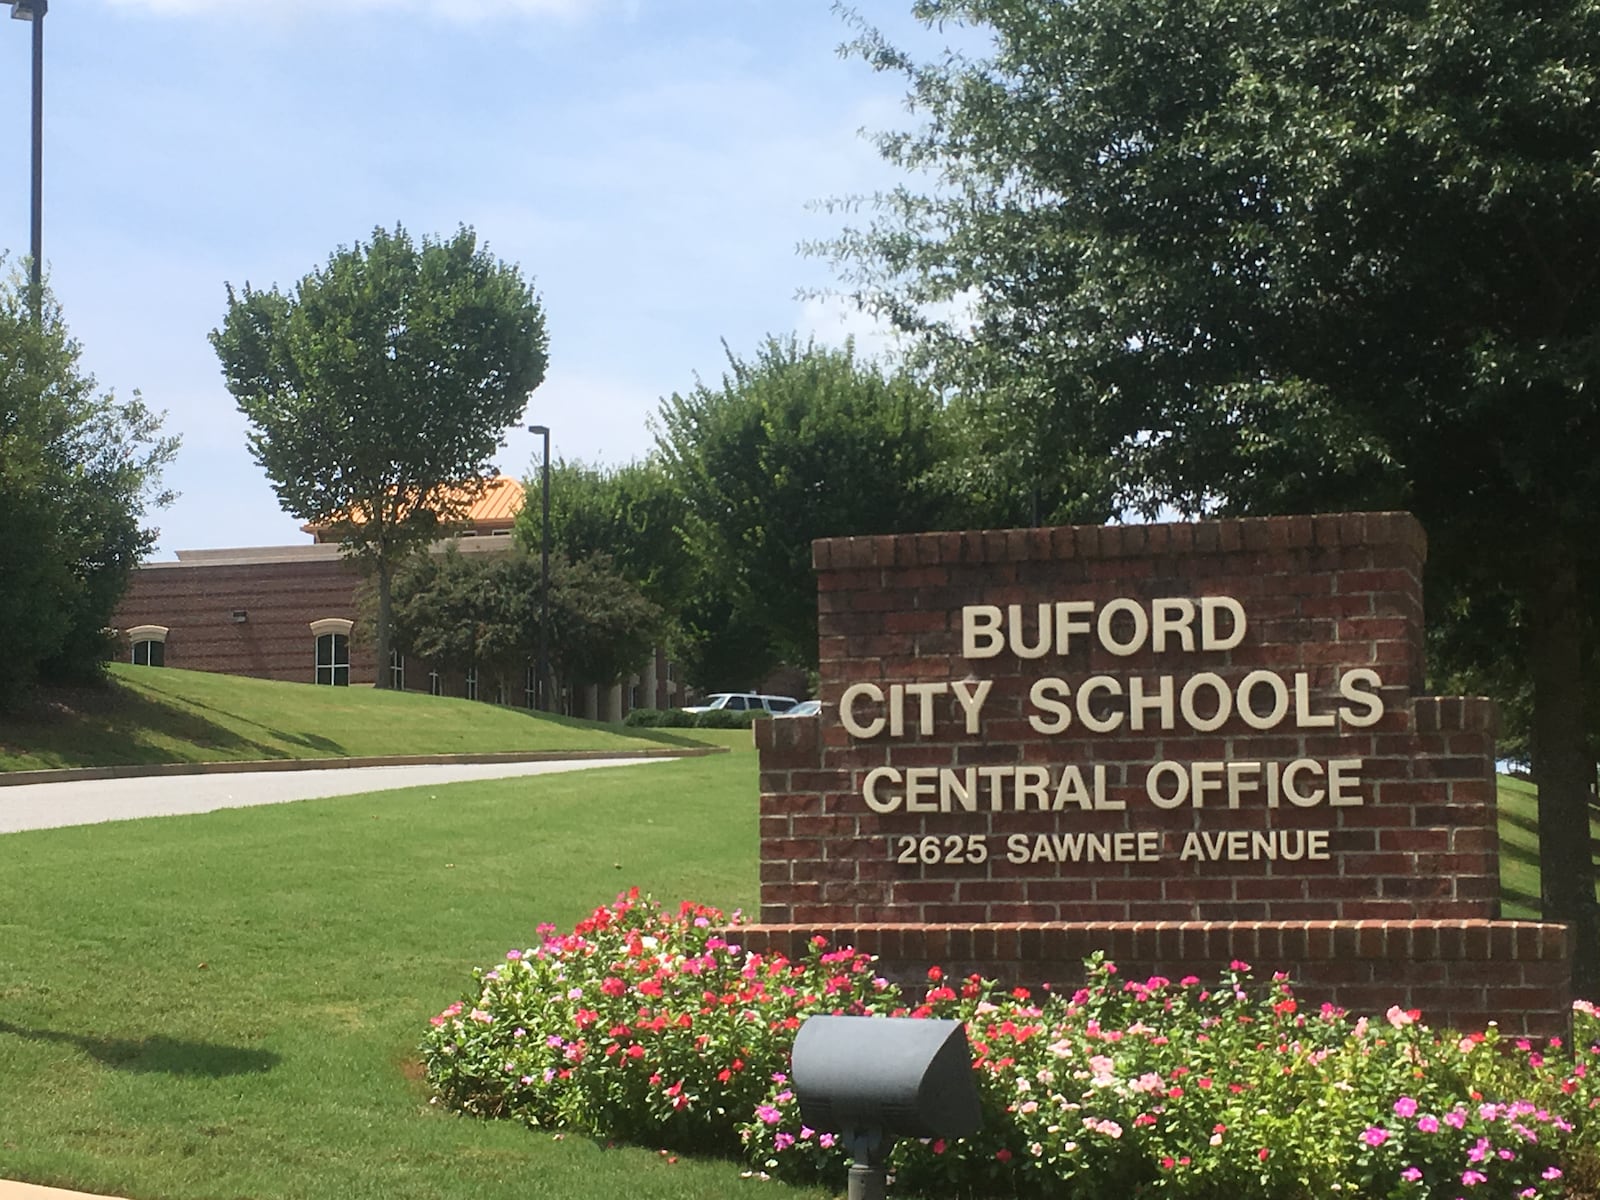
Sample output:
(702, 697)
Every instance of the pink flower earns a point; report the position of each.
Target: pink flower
(1405, 1107)
(1551, 1173)
(1411, 1174)
(1473, 1178)
(1375, 1135)
(1401, 1017)
(1428, 1124)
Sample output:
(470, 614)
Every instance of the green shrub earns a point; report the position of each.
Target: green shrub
(728, 718)
(660, 718)
(651, 1027)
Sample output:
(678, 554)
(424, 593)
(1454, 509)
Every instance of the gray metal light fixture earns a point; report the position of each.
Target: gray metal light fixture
(34, 11)
(539, 699)
(875, 1079)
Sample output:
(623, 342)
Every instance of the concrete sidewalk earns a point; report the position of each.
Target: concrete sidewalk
(32, 1191)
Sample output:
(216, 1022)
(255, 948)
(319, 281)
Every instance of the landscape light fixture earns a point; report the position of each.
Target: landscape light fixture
(33, 11)
(544, 576)
(874, 1079)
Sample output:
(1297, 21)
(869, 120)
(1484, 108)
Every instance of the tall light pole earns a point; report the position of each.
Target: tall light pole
(539, 698)
(34, 10)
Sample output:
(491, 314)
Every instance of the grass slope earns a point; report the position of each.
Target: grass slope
(228, 1005)
(163, 715)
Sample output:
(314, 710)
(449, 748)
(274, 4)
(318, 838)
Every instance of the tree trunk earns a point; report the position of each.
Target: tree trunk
(385, 612)
(1562, 766)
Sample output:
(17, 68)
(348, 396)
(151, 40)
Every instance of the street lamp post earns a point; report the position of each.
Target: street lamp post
(543, 668)
(34, 11)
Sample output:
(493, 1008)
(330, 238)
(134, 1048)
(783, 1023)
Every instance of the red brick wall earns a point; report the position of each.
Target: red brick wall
(280, 601)
(1322, 597)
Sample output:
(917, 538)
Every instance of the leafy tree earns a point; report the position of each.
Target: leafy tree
(1257, 257)
(799, 442)
(79, 472)
(378, 389)
(483, 611)
(633, 514)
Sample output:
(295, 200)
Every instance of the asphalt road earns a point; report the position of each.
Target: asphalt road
(89, 801)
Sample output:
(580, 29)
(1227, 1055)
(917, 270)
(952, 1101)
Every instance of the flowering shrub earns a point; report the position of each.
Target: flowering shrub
(640, 1024)
(646, 1025)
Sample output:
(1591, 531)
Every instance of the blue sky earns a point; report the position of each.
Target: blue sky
(647, 163)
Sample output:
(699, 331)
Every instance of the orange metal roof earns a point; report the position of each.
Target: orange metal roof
(495, 507)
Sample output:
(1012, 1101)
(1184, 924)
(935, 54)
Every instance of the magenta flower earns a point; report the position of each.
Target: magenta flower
(1405, 1107)
(1428, 1123)
(1411, 1174)
(768, 1115)
(1375, 1135)
(1472, 1178)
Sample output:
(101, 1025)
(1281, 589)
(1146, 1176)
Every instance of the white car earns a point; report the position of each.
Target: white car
(743, 702)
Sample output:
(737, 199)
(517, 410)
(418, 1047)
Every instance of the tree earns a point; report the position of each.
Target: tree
(1266, 257)
(482, 611)
(378, 389)
(79, 472)
(632, 514)
(797, 443)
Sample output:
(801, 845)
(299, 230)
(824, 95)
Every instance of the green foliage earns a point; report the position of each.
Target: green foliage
(796, 443)
(79, 471)
(383, 379)
(661, 1029)
(632, 514)
(1270, 257)
(458, 611)
(659, 718)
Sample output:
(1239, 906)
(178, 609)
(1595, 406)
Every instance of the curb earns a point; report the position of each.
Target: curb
(147, 770)
(11, 1190)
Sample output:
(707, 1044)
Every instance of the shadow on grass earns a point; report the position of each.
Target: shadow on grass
(309, 740)
(168, 1056)
(104, 727)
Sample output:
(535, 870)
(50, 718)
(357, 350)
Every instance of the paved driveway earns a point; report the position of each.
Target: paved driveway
(88, 801)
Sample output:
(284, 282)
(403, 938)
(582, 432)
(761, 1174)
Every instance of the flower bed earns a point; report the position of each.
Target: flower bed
(649, 1026)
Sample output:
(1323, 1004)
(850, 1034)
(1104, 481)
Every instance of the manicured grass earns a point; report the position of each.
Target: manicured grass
(228, 1005)
(151, 715)
(1519, 849)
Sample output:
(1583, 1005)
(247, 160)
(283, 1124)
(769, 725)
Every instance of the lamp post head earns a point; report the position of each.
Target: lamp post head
(24, 10)
(543, 430)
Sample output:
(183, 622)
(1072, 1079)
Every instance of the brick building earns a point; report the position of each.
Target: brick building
(291, 613)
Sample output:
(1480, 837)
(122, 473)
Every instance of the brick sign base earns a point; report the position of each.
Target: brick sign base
(1177, 744)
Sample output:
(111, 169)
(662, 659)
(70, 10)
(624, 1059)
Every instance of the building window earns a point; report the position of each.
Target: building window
(333, 650)
(472, 683)
(333, 660)
(148, 645)
(397, 670)
(435, 684)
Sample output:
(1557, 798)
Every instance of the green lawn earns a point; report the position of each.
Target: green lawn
(228, 1005)
(151, 715)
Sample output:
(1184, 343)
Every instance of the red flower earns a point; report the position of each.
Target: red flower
(935, 974)
(1003, 1155)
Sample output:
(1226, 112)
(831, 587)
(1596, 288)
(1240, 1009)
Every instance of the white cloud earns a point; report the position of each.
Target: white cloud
(833, 320)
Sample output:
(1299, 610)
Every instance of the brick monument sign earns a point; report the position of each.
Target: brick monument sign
(1179, 744)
